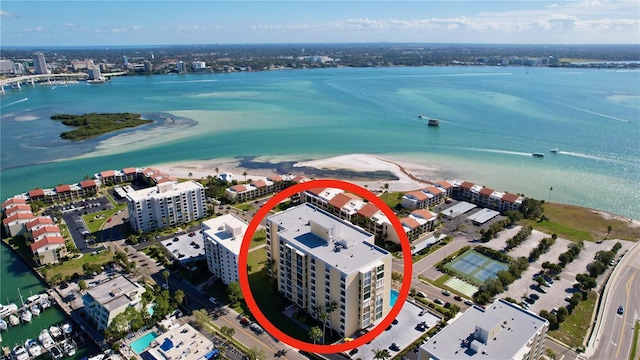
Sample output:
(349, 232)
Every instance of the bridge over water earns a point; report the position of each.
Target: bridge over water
(32, 79)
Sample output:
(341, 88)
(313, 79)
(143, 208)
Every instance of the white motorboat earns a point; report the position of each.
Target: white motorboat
(20, 353)
(56, 353)
(66, 328)
(3, 325)
(55, 331)
(35, 309)
(44, 301)
(13, 320)
(26, 315)
(8, 309)
(33, 298)
(33, 347)
(46, 340)
(69, 347)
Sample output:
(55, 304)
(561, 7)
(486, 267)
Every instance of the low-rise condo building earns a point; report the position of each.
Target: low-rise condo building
(502, 331)
(105, 301)
(323, 262)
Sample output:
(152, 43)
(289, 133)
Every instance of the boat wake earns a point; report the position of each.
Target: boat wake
(496, 151)
(15, 102)
(595, 113)
(592, 157)
(187, 81)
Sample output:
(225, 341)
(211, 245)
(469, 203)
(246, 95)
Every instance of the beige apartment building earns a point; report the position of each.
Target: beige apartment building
(319, 260)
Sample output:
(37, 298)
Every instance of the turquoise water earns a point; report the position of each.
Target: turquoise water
(141, 344)
(393, 297)
(492, 119)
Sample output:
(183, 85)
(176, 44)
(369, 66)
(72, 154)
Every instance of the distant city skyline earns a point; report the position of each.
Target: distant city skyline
(112, 23)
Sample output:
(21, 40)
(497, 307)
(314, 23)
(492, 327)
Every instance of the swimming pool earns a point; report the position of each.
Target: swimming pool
(393, 297)
(141, 344)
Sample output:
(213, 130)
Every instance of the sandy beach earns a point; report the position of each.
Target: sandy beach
(410, 176)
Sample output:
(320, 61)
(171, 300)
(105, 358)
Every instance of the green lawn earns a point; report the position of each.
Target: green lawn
(68, 268)
(574, 329)
(577, 223)
(634, 346)
(259, 238)
(392, 198)
(244, 207)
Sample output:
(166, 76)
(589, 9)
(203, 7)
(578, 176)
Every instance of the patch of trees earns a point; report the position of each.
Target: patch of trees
(492, 231)
(544, 246)
(521, 236)
(531, 208)
(92, 125)
(569, 255)
(587, 281)
(493, 254)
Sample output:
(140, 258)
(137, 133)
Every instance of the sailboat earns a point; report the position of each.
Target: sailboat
(25, 314)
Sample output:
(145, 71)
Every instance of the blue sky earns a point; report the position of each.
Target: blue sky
(111, 23)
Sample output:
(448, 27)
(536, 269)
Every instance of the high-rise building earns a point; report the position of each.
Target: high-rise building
(322, 263)
(148, 67)
(501, 331)
(222, 240)
(6, 66)
(181, 67)
(167, 204)
(125, 60)
(198, 66)
(40, 64)
(94, 73)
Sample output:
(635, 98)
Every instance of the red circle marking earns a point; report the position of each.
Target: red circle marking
(244, 277)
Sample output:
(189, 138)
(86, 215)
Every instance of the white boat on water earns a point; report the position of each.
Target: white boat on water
(555, 151)
(13, 320)
(20, 353)
(55, 331)
(56, 353)
(66, 328)
(69, 347)
(33, 298)
(46, 340)
(44, 301)
(33, 347)
(26, 315)
(3, 325)
(35, 309)
(8, 309)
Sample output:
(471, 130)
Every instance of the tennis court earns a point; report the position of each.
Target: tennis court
(475, 267)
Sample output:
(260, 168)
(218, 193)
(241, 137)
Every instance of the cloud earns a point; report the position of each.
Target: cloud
(35, 29)
(5, 14)
(552, 6)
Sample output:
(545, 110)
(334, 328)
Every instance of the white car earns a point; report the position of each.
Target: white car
(165, 286)
(214, 301)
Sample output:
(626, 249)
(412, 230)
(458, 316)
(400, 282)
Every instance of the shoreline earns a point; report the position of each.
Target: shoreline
(409, 176)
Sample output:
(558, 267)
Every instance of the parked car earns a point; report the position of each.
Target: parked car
(535, 296)
(438, 301)
(394, 347)
(446, 292)
(214, 301)
(468, 302)
(458, 298)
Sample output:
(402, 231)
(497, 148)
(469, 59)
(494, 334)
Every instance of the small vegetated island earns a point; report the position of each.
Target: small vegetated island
(92, 125)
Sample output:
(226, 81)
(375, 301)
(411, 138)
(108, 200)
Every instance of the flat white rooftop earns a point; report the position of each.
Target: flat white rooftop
(227, 230)
(357, 252)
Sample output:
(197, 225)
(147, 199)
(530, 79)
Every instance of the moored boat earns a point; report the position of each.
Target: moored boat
(69, 347)
(56, 353)
(33, 347)
(66, 328)
(25, 315)
(19, 353)
(35, 309)
(44, 301)
(46, 340)
(13, 320)
(8, 309)
(55, 331)
(3, 325)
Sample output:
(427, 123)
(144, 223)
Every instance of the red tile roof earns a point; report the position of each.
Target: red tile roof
(444, 184)
(148, 171)
(423, 213)
(87, 184)
(42, 220)
(353, 196)
(275, 178)
(238, 188)
(36, 193)
(299, 178)
(161, 179)
(368, 210)
(47, 240)
(53, 229)
(14, 201)
(19, 207)
(466, 185)
(129, 170)
(418, 195)
(433, 190)
(107, 174)
(62, 188)
(259, 183)
(510, 197)
(316, 191)
(17, 216)
(339, 200)
(486, 191)
(412, 223)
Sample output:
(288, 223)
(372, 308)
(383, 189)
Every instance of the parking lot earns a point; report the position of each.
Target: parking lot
(403, 334)
(555, 294)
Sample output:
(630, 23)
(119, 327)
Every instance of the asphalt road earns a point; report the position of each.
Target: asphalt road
(616, 330)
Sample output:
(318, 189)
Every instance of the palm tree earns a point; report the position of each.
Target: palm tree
(381, 354)
(166, 274)
(609, 228)
(323, 316)
(315, 333)
(331, 307)
(245, 175)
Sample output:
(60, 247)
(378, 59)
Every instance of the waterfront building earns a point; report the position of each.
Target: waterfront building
(94, 74)
(181, 67)
(125, 60)
(222, 240)
(49, 248)
(6, 66)
(40, 64)
(484, 196)
(323, 262)
(198, 66)
(181, 342)
(166, 204)
(502, 331)
(105, 301)
(148, 66)
(258, 188)
(15, 224)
